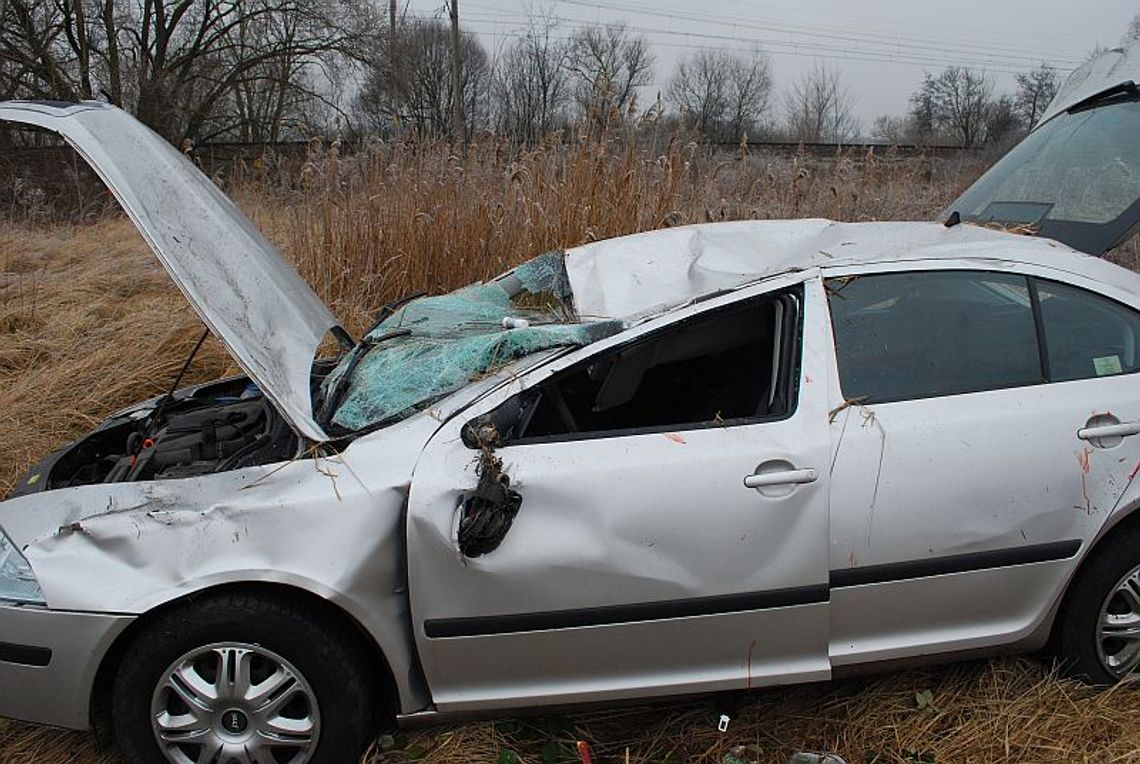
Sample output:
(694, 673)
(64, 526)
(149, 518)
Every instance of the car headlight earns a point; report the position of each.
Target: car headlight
(17, 582)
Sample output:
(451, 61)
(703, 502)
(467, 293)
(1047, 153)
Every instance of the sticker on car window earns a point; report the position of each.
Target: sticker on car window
(1106, 365)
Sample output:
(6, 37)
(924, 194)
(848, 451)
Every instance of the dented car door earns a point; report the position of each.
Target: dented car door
(671, 493)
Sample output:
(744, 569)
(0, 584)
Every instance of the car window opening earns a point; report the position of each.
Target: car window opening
(731, 365)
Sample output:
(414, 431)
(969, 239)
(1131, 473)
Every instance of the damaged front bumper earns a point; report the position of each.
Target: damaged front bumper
(48, 662)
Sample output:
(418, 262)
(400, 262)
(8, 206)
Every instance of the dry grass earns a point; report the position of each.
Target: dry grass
(89, 322)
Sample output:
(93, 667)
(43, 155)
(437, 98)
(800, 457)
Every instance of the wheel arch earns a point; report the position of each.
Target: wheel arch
(380, 668)
(1119, 523)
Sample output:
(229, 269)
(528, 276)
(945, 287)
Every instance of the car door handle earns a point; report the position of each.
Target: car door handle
(1122, 430)
(787, 477)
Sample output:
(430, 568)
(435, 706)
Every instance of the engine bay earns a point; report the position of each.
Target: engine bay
(214, 427)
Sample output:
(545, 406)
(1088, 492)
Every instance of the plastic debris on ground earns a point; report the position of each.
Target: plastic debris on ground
(433, 346)
(816, 758)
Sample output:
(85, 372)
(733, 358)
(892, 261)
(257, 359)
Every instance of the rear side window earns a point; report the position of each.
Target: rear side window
(923, 334)
(1087, 335)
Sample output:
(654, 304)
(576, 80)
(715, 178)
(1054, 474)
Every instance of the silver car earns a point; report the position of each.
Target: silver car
(695, 460)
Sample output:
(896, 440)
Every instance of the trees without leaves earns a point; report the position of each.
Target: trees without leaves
(722, 94)
(236, 68)
(1035, 90)
(956, 101)
(531, 89)
(1004, 123)
(411, 90)
(818, 107)
(607, 65)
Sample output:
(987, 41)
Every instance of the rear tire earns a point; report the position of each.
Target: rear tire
(242, 678)
(1098, 628)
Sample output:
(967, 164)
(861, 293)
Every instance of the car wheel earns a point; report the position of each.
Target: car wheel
(240, 679)
(1099, 627)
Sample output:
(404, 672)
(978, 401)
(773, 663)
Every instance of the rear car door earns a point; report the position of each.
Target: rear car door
(671, 530)
(984, 429)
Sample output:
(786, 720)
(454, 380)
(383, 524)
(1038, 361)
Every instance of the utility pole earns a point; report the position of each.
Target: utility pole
(457, 121)
(392, 31)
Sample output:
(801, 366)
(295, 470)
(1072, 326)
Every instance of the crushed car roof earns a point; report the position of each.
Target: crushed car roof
(642, 273)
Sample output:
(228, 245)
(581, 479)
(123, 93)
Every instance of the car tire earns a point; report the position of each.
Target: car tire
(1101, 603)
(241, 674)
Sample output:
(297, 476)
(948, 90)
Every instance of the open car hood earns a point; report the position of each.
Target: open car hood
(269, 319)
(1076, 177)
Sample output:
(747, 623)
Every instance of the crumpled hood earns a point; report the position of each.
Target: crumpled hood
(269, 319)
(1109, 70)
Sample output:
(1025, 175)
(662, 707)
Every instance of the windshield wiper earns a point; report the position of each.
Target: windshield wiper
(328, 403)
(388, 310)
(1128, 89)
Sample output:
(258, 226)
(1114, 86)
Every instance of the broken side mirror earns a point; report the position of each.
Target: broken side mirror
(500, 426)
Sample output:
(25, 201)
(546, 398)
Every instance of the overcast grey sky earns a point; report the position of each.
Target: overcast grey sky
(882, 47)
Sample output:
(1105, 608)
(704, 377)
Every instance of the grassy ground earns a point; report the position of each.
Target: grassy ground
(89, 322)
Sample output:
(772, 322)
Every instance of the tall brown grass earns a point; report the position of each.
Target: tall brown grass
(399, 218)
(89, 322)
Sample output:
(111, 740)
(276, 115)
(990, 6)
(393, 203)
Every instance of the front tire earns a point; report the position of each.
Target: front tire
(1098, 636)
(244, 679)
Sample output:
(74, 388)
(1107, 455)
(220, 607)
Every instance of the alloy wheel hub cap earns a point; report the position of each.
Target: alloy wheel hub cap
(234, 703)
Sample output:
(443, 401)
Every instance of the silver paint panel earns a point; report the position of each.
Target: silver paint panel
(733, 651)
(985, 471)
(330, 526)
(627, 519)
(943, 614)
(59, 693)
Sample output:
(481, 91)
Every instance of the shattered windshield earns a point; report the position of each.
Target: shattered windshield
(1075, 179)
(431, 347)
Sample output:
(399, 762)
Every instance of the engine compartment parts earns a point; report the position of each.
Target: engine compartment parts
(216, 427)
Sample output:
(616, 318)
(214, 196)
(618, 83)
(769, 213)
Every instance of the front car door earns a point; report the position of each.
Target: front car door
(982, 425)
(639, 562)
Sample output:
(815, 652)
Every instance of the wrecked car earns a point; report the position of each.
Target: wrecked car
(701, 459)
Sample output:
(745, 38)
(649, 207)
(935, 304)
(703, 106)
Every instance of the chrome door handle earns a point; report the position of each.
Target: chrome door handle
(788, 477)
(1122, 430)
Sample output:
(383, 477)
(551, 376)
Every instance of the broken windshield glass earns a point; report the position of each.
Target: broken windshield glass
(431, 347)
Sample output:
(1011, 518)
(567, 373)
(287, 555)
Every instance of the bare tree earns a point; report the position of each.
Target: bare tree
(187, 69)
(721, 94)
(958, 100)
(531, 88)
(1003, 121)
(1035, 90)
(891, 130)
(819, 107)
(607, 66)
(413, 89)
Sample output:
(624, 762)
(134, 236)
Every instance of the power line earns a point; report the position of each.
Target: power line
(829, 33)
(817, 30)
(803, 49)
